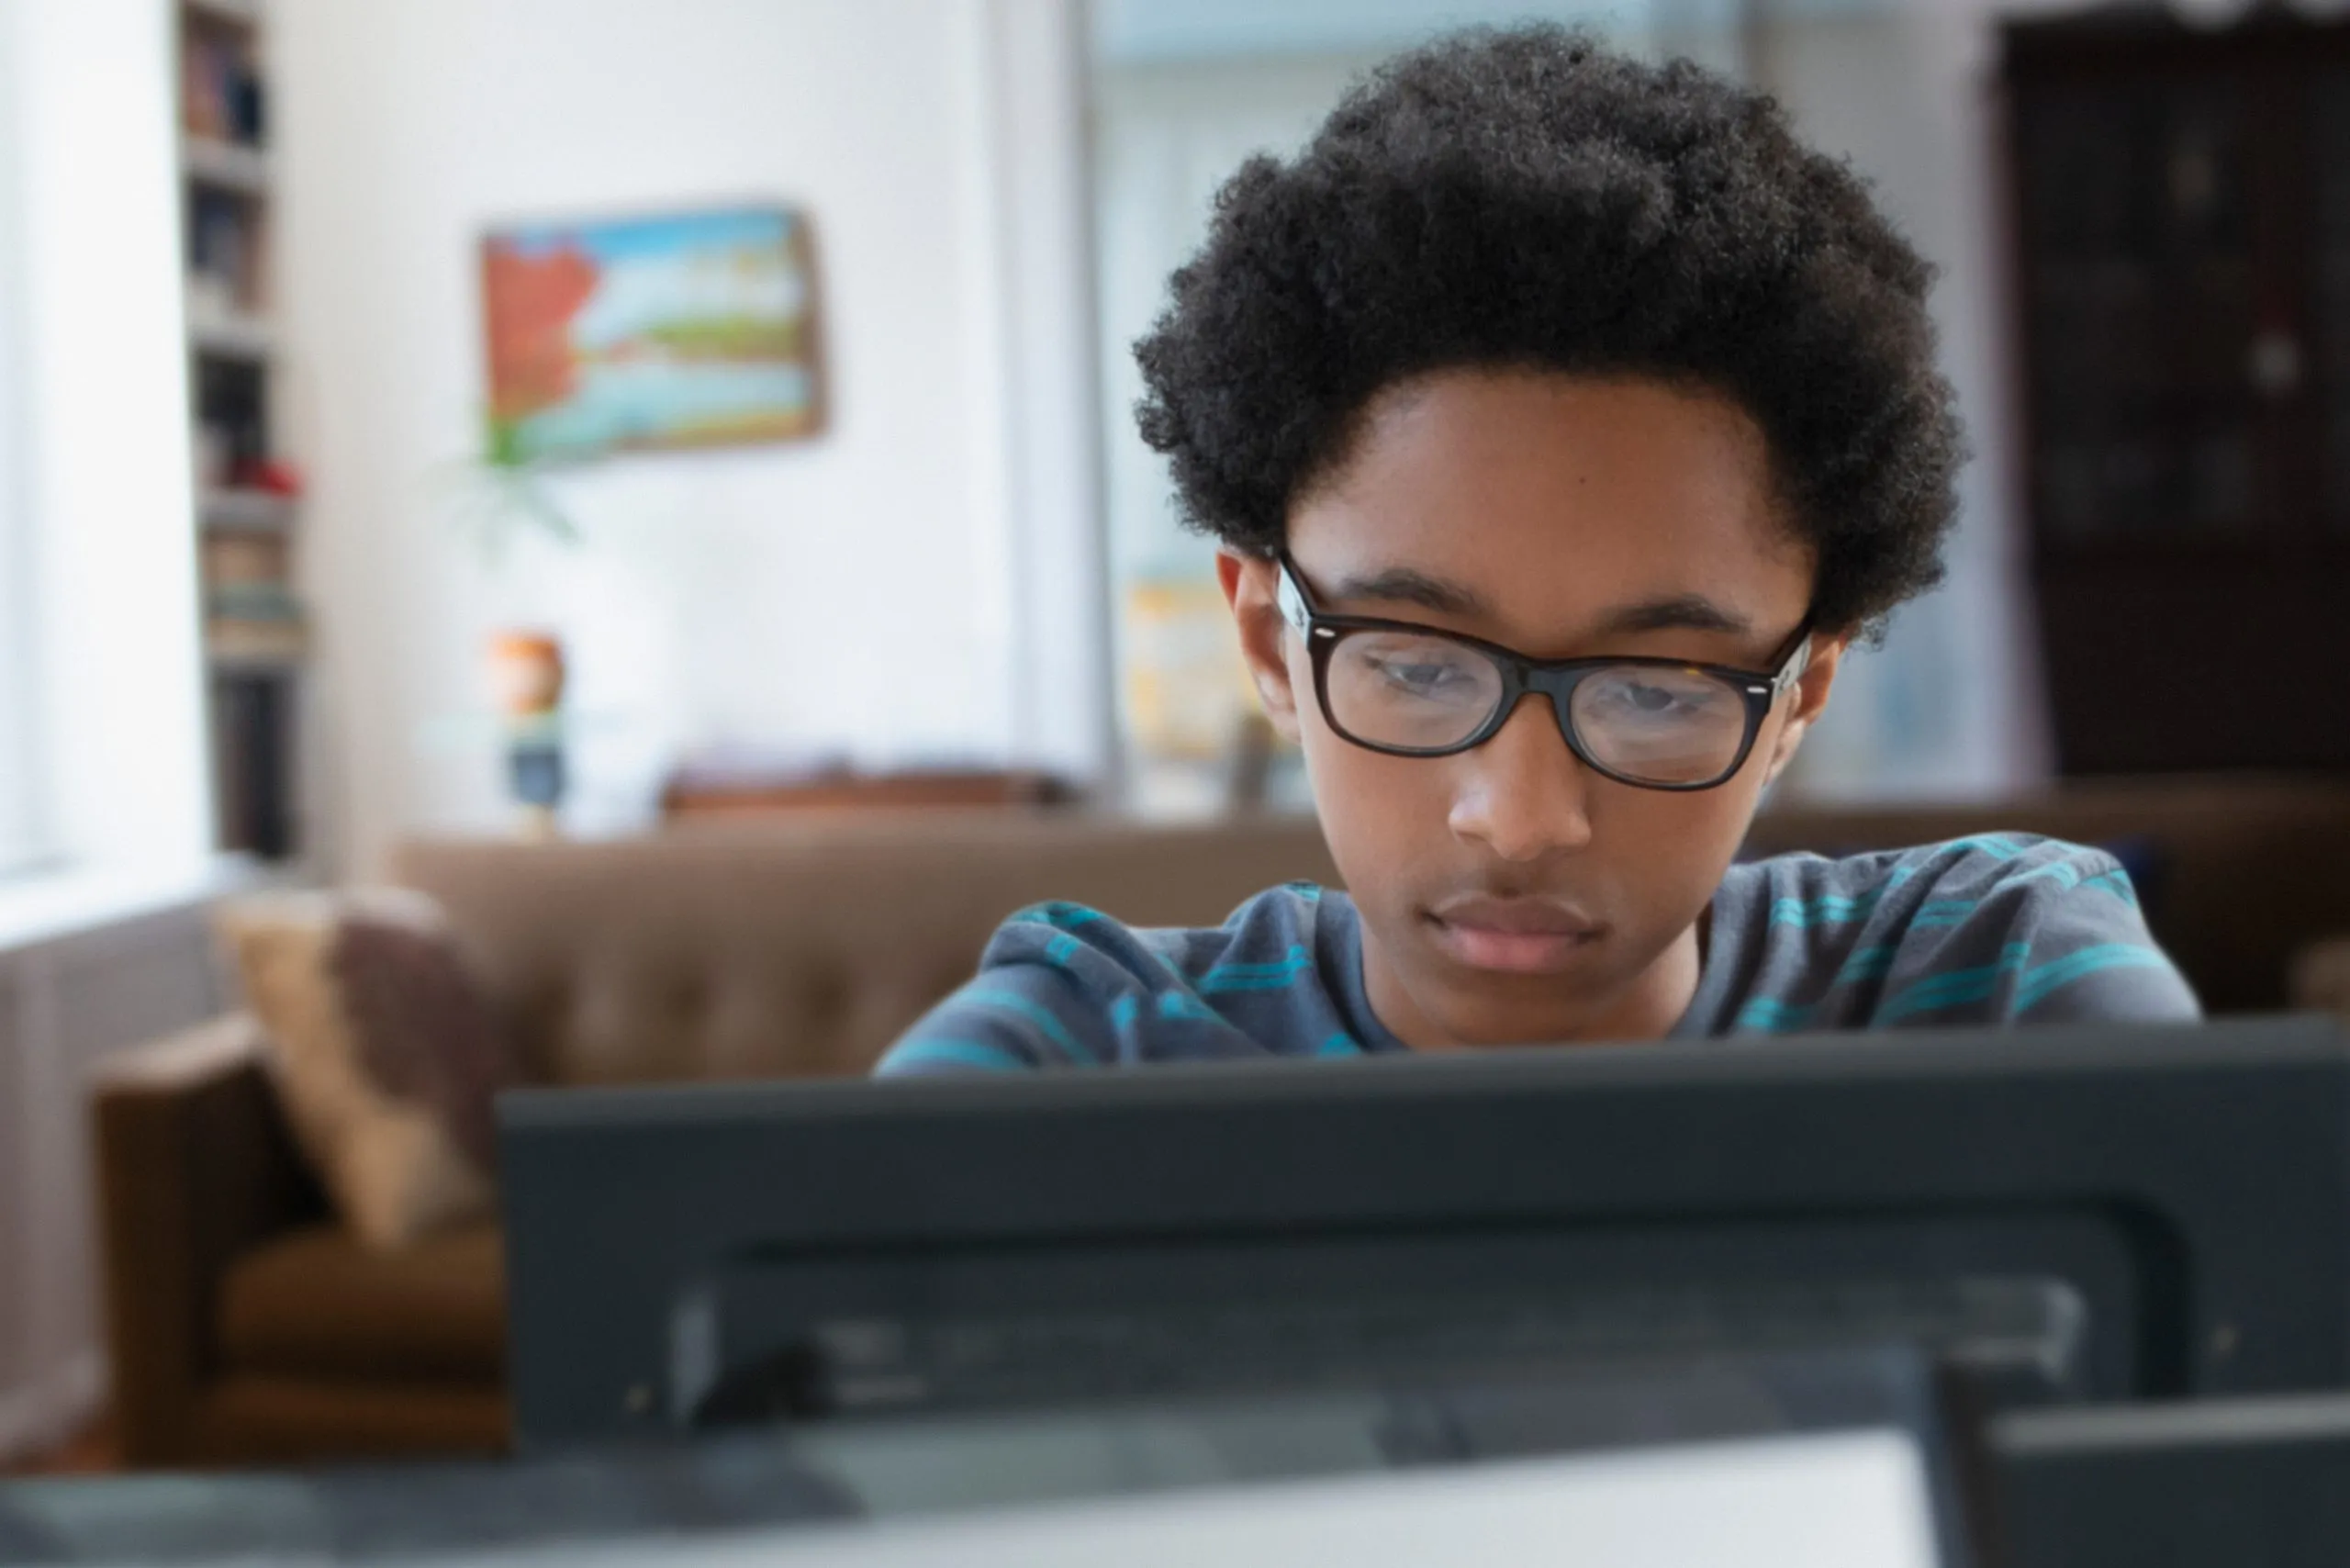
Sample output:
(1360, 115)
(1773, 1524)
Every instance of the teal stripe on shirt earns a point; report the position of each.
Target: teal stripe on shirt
(1284, 965)
(2063, 873)
(982, 1054)
(1060, 916)
(1867, 964)
(2039, 984)
(1956, 986)
(1021, 1007)
(2117, 882)
(1771, 1015)
(1998, 845)
(1257, 977)
(1832, 908)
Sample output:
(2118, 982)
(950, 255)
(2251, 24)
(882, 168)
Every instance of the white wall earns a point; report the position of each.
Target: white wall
(944, 528)
(875, 591)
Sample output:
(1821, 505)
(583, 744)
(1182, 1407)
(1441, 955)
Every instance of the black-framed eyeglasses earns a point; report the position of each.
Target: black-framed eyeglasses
(1411, 690)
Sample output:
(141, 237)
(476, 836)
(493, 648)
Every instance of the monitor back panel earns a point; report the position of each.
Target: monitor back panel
(2162, 1210)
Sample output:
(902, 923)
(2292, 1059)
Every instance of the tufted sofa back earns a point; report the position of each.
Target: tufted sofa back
(800, 949)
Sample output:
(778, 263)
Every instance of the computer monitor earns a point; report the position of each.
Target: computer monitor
(2097, 1213)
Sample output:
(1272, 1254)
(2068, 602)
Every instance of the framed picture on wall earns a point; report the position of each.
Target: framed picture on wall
(650, 333)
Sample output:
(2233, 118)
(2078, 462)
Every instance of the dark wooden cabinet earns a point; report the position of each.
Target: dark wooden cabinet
(2181, 207)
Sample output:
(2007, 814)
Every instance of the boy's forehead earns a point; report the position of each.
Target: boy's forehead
(1541, 502)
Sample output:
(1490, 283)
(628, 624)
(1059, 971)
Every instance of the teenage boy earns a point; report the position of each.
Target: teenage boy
(1563, 422)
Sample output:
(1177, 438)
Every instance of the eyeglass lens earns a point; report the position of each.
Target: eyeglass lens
(1643, 723)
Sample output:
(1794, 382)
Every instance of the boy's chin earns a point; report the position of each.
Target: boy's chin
(1487, 1010)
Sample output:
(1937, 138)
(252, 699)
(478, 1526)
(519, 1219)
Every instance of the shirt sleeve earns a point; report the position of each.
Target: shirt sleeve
(2034, 931)
(1047, 995)
(1008, 1020)
(2092, 959)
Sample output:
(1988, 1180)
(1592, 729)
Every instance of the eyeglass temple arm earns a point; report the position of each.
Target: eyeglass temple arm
(1291, 599)
(1798, 661)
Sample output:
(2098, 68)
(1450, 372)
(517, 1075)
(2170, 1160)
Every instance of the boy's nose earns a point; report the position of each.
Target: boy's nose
(1522, 794)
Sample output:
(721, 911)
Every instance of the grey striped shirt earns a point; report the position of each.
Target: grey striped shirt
(1996, 929)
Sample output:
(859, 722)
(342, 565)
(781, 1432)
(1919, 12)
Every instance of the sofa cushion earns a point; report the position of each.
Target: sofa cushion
(316, 1302)
(383, 1049)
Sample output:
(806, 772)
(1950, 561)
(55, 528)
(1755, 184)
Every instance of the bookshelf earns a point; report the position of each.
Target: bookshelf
(248, 509)
(225, 165)
(246, 11)
(2180, 199)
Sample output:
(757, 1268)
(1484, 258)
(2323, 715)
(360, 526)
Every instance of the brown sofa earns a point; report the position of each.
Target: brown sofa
(246, 1327)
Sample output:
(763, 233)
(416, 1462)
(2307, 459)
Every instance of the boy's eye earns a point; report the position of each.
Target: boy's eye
(1667, 697)
(1647, 699)
(1426, 670)
(1419, 677)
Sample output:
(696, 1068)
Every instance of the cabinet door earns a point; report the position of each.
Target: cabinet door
(2142, 304)
(2328, 103)
(2183, 277)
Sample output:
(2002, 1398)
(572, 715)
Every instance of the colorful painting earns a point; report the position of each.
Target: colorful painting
(648, 334)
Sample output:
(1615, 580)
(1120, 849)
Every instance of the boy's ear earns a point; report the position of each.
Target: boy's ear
(1248, 583)
(1810, 700)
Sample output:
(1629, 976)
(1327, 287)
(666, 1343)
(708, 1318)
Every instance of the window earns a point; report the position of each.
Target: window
(101, 707)
(22, 840)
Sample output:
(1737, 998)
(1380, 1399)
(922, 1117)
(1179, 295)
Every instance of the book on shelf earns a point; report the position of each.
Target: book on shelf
(242, 13)
(252, 759)
(253, 604)
(248, 603)
(222, 96)
(243, 508)
(230, 435)
(244, 560)
(219, 326)
(223, 256)
(240, 640)
(220, 168)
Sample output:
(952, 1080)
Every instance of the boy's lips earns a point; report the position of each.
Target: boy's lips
(1513, 935)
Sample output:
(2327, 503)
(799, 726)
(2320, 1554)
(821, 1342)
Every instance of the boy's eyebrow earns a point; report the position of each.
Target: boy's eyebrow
(1671, 613)
(1403, 585)
(1675, 612)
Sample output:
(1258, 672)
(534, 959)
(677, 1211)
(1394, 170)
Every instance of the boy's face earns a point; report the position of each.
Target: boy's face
(1510, 894)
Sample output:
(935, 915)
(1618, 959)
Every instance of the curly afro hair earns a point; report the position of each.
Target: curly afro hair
(1525, 198)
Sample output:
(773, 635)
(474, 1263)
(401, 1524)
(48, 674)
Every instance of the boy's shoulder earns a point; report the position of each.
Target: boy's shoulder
(1942, 886)
(1064, 983)
(1058, 932)
(1993, 927)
